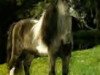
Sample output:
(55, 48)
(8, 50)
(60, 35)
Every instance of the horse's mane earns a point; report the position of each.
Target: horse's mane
(49, 25)
(9, 41)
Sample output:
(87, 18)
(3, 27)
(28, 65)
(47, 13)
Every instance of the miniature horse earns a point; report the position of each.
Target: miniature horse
(52, 34)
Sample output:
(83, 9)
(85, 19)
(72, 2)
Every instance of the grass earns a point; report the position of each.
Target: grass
(85, 62)
(3, 69)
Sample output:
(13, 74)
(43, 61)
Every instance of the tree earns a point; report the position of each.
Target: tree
(97, 8)
(91, 8)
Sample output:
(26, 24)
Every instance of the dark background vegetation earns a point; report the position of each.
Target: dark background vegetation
(13, 10)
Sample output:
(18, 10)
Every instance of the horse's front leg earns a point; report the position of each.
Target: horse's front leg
(65, 65)
(66, 58)
(52, 60)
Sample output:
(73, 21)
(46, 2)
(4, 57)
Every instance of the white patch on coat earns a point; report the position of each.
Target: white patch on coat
(41, 47)
(12, 71)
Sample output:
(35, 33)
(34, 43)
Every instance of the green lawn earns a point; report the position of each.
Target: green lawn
(85, 62)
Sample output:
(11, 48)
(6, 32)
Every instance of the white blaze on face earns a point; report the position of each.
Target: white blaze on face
(12, 71)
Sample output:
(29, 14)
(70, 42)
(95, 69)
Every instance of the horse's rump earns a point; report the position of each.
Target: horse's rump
(20, 38)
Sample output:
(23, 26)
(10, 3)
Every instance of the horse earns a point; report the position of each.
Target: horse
(51, 35)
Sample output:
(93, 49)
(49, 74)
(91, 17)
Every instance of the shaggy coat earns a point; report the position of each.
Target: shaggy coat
(52, 34)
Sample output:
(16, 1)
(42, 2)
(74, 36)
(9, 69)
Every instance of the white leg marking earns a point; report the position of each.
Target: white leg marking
(12, 71)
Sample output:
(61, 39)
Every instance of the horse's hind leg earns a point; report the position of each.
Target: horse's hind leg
(11, 65)
(19, 68)
(11, 72)
(27, 63)
(26, 68)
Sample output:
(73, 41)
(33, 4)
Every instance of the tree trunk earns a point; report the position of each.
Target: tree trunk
(97, 7)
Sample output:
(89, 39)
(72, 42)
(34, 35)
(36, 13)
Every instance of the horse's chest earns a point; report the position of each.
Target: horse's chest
(64, 28)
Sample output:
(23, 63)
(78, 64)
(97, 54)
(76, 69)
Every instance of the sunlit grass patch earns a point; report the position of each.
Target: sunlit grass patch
(3, 69)
(84, 62)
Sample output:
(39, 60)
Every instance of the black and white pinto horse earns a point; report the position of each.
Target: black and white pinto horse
(51, 35)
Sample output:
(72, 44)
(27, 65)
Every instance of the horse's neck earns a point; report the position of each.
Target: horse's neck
(64, 19)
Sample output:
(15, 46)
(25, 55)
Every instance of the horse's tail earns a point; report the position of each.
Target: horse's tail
(9, 42)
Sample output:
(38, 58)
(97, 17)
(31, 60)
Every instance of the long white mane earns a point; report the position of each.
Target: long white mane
(36, 29)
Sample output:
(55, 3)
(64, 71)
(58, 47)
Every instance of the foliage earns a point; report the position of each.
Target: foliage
(27, 8)
(84, 39)
(38, 9)
(3, 69)
(86, 9)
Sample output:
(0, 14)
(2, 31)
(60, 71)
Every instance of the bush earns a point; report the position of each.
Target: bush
(84, 39)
